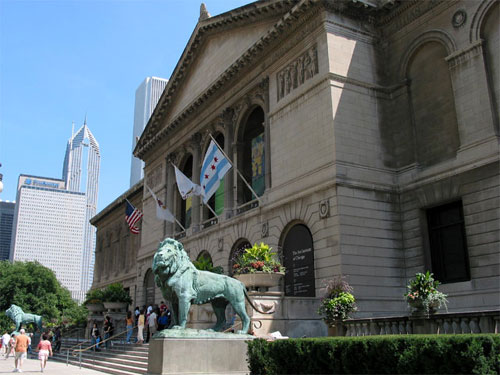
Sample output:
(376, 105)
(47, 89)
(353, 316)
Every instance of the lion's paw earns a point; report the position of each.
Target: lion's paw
(241, 332)
(177, 327)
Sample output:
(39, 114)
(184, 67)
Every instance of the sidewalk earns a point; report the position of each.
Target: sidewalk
(32, 366)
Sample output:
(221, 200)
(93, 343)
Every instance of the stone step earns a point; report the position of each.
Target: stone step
(123, 358)
(122, 370)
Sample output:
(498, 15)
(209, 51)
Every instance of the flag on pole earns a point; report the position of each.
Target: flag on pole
(132, 216)
(214, 168)
(186, 187)
(162, 212)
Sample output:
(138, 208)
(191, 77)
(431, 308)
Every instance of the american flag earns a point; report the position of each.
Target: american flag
(132, 216)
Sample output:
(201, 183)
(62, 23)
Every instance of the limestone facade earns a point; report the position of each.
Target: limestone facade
(374, 114)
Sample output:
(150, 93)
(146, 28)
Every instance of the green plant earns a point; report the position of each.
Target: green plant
(94, 296)
(259, 257)
(338, 302)
(204, 263)
(116, 293)
(422, 293)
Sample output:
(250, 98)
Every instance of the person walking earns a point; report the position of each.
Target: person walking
(44, 351)
(130, 326)
(20, 348)
(12, 344)
(153, 323)
(5, 343)
(140, 328)
(108, 331)
(94, 334)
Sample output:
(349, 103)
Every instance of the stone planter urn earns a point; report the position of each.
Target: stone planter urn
(260, 279)
(418, 308)
(115, 306)
(337, 329)
(95, 307)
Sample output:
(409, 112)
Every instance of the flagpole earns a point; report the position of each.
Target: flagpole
(237, 171)
(177, 221)
(210, 208)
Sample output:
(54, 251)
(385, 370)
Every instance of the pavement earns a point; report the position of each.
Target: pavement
(32, 366)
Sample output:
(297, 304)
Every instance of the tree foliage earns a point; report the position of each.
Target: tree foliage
(35, 289)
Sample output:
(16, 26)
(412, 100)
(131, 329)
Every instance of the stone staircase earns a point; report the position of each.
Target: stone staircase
(120, 359)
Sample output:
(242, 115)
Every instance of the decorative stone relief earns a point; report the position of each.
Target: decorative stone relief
(324, 209)
(154, 177)
(265, 229)
(297, 72)
(459, 18)
(220, 244)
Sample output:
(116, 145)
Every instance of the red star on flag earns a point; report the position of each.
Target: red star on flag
(215, 159)
(213, 166)
(206, 176)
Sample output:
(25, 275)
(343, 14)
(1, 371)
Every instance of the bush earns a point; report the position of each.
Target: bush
(410, 354)
(116, 293)
(338, 302)
(258, 258)
(94, 296)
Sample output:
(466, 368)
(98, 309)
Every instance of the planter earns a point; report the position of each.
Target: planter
(115, 306)
(95, 307)
(338, 329)
(260, 279)
(418, 308)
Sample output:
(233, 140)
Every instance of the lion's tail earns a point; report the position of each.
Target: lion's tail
(271, 311)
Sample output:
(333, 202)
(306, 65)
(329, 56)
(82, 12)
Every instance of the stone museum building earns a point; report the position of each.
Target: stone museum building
(369, 132)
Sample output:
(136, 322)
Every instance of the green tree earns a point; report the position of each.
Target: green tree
(35, 289)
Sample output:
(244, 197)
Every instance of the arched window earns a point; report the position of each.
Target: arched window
(186, 206)
(251, 156)
(298, 259)
(433, 104)
(216, 202)
(490, 33)
(149, 288)
(238, 248)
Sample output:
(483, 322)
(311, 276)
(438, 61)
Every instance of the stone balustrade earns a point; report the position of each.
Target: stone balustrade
(446, 323)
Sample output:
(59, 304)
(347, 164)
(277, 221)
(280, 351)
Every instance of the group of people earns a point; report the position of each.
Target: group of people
(96, 337)
(20, 344)
(151, 319)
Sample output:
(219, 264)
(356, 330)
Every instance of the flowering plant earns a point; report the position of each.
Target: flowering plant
(422, 294)
(338, 302)
(257, 258)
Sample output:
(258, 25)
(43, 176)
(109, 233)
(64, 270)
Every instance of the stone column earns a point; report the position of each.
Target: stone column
(170, 228)
(195, 144)
(227, 120)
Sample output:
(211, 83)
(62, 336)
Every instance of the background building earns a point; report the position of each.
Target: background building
(81, 174)
(6, 223)
(146, 96)
(49, 227)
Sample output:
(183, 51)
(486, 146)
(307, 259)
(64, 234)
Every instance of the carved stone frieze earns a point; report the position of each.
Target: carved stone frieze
(297, 72)
(464, 55)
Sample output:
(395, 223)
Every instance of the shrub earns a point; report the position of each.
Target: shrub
(116, 293)
(94, 296)
(422, 294)
(257, 258)
(410, 354)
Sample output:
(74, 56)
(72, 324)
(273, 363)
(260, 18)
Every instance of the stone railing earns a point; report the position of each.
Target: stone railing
(462, 322)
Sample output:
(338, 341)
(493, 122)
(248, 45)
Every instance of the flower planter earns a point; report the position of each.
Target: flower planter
(260, 279)
(338, 329)
(115, 306)
(95, 307)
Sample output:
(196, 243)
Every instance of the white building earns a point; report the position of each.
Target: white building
(146, 97)
(81, 174)
(6, 221)
(49, 227)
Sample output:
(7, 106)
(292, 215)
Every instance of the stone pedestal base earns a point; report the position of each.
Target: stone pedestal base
(189, 356)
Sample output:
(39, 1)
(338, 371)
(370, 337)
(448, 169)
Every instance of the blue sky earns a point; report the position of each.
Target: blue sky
(61, 60)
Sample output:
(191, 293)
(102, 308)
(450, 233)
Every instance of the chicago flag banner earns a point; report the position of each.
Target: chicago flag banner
(214, 168)
(186, 187)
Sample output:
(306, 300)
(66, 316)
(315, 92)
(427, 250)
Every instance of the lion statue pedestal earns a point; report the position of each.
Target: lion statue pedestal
(197, 353)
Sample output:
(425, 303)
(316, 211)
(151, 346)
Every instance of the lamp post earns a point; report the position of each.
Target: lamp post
(1, 183)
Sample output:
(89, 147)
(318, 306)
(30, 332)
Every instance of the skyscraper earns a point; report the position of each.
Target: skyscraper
(6, 222)
(49, 227)
(146, 97)
(81, 174)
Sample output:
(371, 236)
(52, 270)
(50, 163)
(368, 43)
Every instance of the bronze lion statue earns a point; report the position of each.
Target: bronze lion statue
(182, 284)
(15, 313)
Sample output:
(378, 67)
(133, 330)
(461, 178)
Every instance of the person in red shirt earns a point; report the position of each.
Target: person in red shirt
(21, 348)
(44, 350)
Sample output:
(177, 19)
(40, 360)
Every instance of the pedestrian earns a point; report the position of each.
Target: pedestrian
(130, 326)
(163, 307)
(12, 344)
(162, 321)
(44, 351)
(94, 334)
(108, 331)
(5, 343)
(153, 323)
(30, 335)
(140, 328)
(137, 312)
(20, 348)
(57, 340)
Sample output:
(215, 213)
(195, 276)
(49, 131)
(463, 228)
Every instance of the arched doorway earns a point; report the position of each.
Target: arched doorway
(149, 288)
(298, 259)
